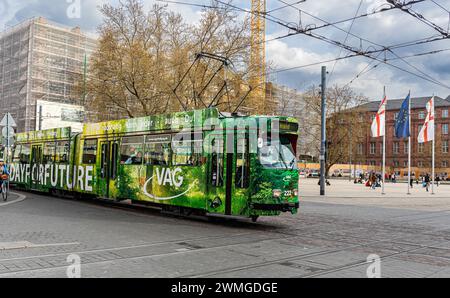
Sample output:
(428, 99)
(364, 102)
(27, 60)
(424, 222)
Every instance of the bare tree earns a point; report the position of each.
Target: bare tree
(142, 56)
(344, 129)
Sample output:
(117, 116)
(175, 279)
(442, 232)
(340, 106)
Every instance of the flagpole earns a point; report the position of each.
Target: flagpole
(409, 144)
(384, 145)
(433, 154)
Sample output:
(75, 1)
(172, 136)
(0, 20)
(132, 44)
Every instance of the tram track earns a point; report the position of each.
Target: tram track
(118, 257)
(306, 256)
(225, 270)
(347, 237)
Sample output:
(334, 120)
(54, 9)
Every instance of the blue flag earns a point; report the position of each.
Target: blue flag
(402, 123)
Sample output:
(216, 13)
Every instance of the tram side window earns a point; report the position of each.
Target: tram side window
(217, 163)
(242, 164)
(90, 151)
(62, 152)
(16, 156)
(25, 154)
(157, 150)
(131, 150)
(187, 150)
(49, 152)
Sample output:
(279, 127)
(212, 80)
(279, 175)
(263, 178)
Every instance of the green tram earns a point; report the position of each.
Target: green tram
(198, 161)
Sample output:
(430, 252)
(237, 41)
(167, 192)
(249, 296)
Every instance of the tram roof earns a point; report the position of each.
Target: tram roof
(166, 122)
(43, 135)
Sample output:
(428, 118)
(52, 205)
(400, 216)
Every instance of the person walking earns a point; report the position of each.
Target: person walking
(427, 182)
(373, 181)
(438, 179)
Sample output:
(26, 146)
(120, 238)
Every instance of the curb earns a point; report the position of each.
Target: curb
(20, 199)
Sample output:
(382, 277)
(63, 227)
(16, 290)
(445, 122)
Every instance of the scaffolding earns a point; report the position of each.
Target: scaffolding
(40, 60)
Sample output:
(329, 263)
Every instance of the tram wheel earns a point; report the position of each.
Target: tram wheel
(255, 218)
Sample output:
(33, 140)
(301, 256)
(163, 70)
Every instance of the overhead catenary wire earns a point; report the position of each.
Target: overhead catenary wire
(356, 52)
(346, 38)
(439, 5)
(419, 17)
(395, 5)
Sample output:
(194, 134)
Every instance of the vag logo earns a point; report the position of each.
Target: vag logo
(166, 177)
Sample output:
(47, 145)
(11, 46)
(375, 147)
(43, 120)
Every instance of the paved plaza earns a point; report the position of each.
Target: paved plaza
(345, 192)
(330, 237)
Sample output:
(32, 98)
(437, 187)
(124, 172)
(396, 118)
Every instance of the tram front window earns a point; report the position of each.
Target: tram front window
(279, 154)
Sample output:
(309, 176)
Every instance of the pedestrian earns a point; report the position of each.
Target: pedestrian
(427, 182)
(438, 179)
(411, 182)
(373, 181)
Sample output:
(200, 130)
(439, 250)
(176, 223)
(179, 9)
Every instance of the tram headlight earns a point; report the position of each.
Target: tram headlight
(276, 193)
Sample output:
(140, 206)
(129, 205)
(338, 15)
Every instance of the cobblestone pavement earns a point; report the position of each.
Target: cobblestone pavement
(327, 239)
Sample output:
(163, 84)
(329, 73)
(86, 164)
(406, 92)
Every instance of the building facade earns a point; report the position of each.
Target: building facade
(369, 150)
(40, 60)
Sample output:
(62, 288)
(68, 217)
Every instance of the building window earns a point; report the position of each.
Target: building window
(445, 129)
(421, 115)
(405, 147)
(445, 164)
(373, 163)
(420, 148)
(396, 164)
(444, 146)
(396, 116)
(396, 147)
(420, 164)
(360, 149)
(444, 113)
(373, 148)
(405, 164)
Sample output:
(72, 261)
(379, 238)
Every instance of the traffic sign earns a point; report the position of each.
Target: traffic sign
(8, 120)
(8, 132)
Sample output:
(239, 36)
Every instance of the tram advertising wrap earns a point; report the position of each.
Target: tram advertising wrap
(190, 162)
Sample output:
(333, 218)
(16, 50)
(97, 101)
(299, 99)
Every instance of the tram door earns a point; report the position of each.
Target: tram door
(108, 167)
(36, 161)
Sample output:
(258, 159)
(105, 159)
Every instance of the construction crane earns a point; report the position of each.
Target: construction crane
(257, 76)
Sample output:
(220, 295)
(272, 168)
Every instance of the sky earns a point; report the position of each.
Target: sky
(383, 29)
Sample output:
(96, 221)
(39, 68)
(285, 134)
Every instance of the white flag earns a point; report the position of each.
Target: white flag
(426, 134)
(379, 122)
